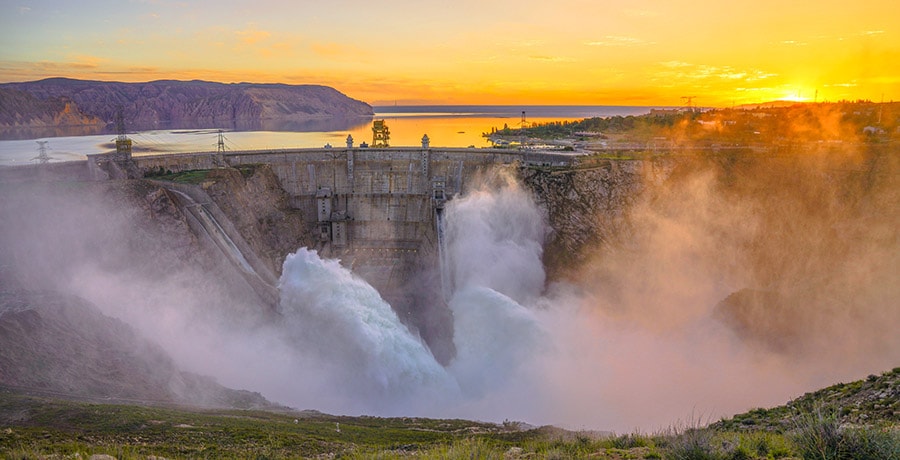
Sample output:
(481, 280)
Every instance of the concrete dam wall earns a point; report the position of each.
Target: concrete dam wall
(372, 208)
(375, 209)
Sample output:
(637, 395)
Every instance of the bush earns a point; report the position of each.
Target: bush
(871, 443)
(629, 441)
(819, 436)
(691, 441)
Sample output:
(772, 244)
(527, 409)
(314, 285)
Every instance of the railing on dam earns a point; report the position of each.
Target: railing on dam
(208, 160)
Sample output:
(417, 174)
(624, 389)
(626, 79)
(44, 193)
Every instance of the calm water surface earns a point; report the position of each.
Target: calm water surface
(446, 126)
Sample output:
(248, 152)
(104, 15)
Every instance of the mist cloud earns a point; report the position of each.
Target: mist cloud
(645, 334)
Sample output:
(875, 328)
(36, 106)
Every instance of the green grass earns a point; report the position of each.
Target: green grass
(38, 427)
(33, 427)
(195, 177)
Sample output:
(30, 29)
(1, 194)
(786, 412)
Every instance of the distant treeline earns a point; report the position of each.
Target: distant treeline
(614, 124)
(799, 122)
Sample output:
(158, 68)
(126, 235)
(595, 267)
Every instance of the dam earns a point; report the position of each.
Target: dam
(377, 210)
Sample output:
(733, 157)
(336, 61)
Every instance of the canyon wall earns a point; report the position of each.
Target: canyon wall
(169, 103)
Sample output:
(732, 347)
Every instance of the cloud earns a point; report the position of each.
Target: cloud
(252, 36)
(333, 50)
(687, 71)
(675, 64)
(616, 40)
(551, 58)
(530, 43)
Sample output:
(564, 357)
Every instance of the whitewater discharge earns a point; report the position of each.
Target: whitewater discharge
(372, 363)
(633, 344)
(523, 351)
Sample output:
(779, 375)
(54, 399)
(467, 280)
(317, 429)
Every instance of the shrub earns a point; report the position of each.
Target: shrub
(819, 436)
(691, 441)
(629, 441)
(871, 443)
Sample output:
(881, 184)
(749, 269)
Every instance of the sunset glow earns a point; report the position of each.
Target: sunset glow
(472, 52)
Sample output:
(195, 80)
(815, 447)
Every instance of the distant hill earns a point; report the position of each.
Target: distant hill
(63, 101)
(770, 104)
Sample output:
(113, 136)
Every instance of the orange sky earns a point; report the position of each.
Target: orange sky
(474, 52)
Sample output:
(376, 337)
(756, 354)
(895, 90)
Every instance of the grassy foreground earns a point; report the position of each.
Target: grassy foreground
(40, 427)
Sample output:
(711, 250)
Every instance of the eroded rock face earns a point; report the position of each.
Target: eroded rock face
(586, 208)
(256, 204)
(21, 108)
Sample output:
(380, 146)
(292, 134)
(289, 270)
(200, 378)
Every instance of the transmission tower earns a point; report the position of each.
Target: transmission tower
(688, 102)
(123, 143)
(220, 146)
(42, 157)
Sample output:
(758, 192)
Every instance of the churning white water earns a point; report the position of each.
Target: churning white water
(634, 345)
(370, 359)
(358, 341)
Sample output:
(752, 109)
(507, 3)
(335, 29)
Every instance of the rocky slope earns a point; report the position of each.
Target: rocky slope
(169, 103)
(873, 401)
(52, 343)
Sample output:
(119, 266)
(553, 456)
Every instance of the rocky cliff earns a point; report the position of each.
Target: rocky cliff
(20, 108)
(170, 103)
(587, 208)
(259, 208)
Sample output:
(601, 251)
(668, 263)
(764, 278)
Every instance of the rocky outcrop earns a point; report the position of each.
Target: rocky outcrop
(260, 210)
(61, 344)
(586, 207)
(170, 103)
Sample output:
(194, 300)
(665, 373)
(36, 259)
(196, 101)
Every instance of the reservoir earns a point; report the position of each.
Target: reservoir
(446, 126)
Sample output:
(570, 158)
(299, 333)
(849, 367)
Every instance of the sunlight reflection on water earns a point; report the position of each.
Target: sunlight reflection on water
(461, 126)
